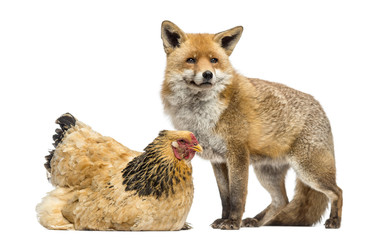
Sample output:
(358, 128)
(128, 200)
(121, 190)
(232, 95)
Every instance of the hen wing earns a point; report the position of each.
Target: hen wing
(85, 158)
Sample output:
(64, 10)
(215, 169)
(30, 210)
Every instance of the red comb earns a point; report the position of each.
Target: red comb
(194, 139)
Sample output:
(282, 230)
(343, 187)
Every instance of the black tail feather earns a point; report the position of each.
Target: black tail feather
(66, 121)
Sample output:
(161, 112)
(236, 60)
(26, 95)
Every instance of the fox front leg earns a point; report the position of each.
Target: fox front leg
(232, 180)
(221, 173)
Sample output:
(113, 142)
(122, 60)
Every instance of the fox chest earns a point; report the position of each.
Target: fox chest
(201, 119)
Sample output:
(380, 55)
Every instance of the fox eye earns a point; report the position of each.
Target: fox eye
(213, 60)
(191, 60)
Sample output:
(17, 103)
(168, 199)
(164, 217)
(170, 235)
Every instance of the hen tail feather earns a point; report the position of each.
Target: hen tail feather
(66, 121)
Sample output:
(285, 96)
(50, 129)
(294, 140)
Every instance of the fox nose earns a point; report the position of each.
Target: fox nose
(207, 75)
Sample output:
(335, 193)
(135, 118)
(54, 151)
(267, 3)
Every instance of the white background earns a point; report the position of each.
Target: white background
(103, 61)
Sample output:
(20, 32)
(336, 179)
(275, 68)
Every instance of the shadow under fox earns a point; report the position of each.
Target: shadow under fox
(241, 121)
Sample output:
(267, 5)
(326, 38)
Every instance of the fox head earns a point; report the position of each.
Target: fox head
(198, 63)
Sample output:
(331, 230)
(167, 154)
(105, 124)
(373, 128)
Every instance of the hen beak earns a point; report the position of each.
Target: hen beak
(197, 148)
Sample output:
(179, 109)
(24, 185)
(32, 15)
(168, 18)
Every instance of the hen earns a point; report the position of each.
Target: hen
(102, 185)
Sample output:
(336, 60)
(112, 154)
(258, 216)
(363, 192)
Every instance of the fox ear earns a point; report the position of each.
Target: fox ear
(229, 38)
(172, 36)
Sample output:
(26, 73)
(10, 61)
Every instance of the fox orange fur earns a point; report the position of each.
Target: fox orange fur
(102, 185)
(241, 121)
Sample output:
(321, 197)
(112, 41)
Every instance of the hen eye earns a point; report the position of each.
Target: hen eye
(191, 60)
(182, 141)
(213, 60)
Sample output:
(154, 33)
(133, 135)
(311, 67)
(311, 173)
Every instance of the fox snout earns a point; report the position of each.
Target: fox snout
(207, 75)
(203, 80)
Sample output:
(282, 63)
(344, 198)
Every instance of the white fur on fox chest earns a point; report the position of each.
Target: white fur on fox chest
(199, 112)
(201, 118)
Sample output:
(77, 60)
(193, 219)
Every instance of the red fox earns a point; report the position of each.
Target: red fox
(241, 121)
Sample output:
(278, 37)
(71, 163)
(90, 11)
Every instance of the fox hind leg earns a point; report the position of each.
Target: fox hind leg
(272, 178)
(336, 199)
(318, 171)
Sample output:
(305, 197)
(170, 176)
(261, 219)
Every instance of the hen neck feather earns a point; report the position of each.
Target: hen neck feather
(153, 173)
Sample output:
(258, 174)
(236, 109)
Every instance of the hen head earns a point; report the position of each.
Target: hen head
(165, 163)
(183, 144)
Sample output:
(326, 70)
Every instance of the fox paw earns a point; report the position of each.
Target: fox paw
(250, 222)
(332, 223)
(226, 224)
